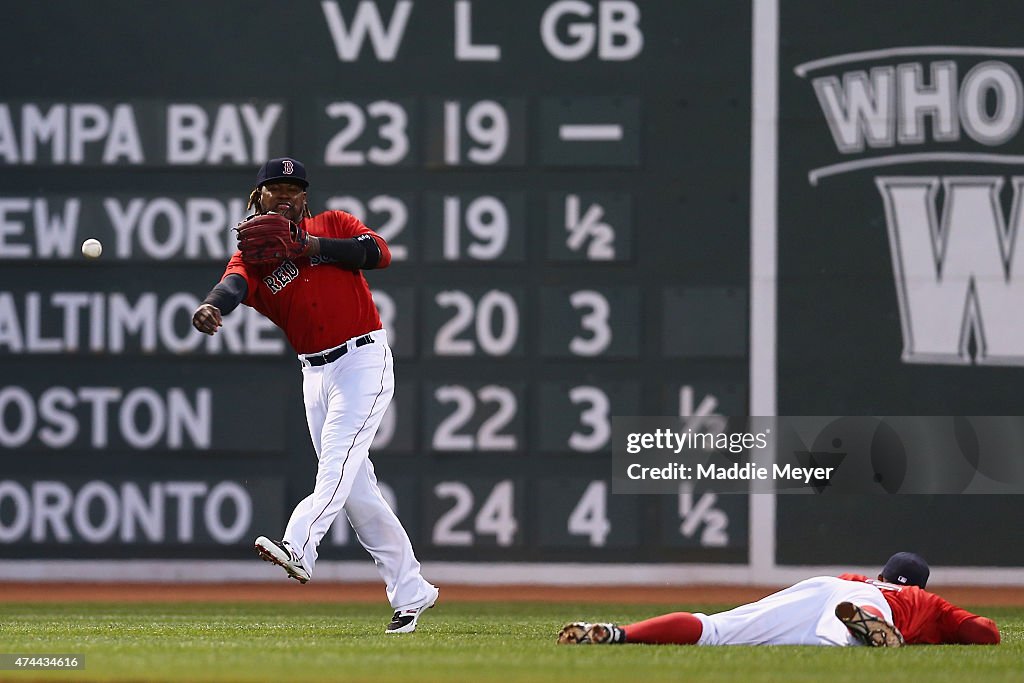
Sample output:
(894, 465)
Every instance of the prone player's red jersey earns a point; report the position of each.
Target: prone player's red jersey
(922, 617)
(318, 304)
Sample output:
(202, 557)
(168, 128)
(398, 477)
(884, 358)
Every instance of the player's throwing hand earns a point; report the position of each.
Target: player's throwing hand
(207, 319)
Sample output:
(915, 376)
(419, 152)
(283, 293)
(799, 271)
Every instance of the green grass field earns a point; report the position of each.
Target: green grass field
(479, 642)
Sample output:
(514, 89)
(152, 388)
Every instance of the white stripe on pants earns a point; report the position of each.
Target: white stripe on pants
(345, 403)
(803, 614)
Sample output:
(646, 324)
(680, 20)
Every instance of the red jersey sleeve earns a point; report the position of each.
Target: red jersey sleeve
(925, 618)
(962, 627)
(853, 577)
(342, 225)
(978, 631)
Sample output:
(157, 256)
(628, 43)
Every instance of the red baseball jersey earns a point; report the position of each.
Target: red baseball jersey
(318, 305)
(922, 617)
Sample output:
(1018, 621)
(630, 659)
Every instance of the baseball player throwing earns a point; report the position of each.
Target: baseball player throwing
(851, 609)
(304, 273)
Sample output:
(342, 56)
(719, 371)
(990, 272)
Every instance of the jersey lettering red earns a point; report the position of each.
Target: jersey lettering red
(318, 305)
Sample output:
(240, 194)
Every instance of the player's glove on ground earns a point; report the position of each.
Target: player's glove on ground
(269, 238)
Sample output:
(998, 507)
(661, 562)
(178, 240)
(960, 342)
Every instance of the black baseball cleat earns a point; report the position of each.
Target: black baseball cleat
(404, 620)
(281, 555)
(867, 628)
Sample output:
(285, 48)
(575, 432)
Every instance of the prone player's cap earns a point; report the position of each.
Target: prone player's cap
(906, 569)
(282, 169)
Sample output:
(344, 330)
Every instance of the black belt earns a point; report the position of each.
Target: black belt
(318, 359)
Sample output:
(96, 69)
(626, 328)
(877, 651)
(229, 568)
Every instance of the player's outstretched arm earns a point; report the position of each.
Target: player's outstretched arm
(221, 300)
(978, 631)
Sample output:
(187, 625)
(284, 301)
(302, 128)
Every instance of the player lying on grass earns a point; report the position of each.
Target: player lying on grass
(891, 611)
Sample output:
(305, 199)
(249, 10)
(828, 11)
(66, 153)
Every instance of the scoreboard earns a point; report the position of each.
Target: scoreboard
(564, 188)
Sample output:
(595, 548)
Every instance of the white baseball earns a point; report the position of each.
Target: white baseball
(91, 248)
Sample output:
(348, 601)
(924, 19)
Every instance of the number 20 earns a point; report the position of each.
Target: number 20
(447, 343)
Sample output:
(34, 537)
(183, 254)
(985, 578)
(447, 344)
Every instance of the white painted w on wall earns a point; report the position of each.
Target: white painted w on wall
(956, 267)
(367, 22)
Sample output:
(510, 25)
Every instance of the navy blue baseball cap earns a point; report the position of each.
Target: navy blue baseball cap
(907, 569)
(282, 169)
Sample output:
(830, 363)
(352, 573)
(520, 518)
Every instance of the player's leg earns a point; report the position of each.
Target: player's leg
(379, 531)
(283, 553)
(678, 628)
(767, 621)
(863, 614)
(353, 392)
(792, 616)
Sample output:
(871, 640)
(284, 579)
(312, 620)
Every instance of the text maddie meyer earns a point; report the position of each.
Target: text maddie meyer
(735, 472)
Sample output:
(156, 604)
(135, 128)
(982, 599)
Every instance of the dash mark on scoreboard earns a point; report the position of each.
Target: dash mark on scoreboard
(590, 132)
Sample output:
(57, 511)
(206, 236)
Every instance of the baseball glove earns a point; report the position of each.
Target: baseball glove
(269, 238)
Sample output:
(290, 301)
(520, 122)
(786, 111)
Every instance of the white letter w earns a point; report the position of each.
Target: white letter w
(955, 269)
(349, 43)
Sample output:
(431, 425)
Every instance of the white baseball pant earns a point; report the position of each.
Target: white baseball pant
(803, 614)
(345, 403)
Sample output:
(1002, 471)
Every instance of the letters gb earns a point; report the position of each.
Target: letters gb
(615, 30)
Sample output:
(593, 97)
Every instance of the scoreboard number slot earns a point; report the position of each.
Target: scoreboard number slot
(577, 418)
(588, 230)
(486, 219)
(591, 322)
(488, 436)
(595, 415)
(496, 516)
(581, 513)
(699, 514)
(392, 125)
(487, 127)
(594, 319)
(495, 306)
(590, 516)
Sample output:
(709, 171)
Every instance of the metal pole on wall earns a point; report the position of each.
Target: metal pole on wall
(763, 260)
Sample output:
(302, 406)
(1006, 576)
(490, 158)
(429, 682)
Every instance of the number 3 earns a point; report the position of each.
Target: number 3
(595, 321)
(595, 417)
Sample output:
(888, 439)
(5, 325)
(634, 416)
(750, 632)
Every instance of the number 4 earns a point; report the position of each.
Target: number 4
(497, 516)
(590, 516)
